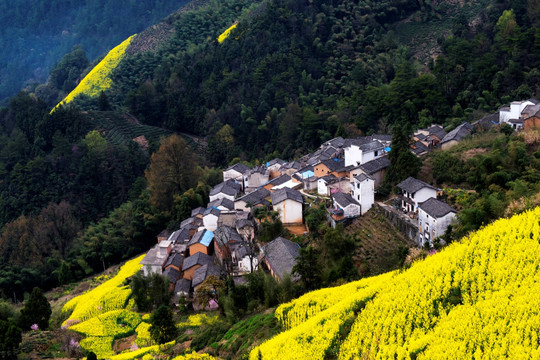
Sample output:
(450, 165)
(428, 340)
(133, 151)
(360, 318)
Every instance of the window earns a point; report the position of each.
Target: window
(427, 227)
(358, 197)
(376, 153)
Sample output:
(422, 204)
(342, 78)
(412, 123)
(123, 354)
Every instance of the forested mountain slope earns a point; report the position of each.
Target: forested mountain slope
(36, 34)
(295, 73)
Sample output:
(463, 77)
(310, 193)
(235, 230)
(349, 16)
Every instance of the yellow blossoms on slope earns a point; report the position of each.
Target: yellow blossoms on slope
(226, 33)
(98, 78)
(475, 299)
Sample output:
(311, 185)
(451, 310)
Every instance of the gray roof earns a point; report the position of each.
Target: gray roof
(283, 194)
(344, 200)
(419, 148)
(152, 257)
(436, 208)
(197, 211)
(438, 131)
(203, 272)
(172, 274)
(382, 137)
(458, 133)
(335, 142)
(225, 234)
(335, 164)
(412, 185)
(256, 197)
(194, 221)
(212, 211)
(279, 180)
(365, 143)
(181, 235)
(281, 254)
(362, 177)
(330, 178)
(175, 260)
(197, 259)
(242, 223)
(375, 165)
(229, 187)
(292, 165)
(183, 286)
(261, 169)
(275, 161)
(227, 203)
(239, 167)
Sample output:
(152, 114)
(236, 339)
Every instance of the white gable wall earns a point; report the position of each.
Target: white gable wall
(221, 196)
(430, 228)
(210, 222)
(290, 211)
(364, 193)
(353, 155)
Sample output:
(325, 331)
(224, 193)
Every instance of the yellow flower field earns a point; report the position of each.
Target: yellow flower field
(98, 79)
(477, 298)
(226, 33)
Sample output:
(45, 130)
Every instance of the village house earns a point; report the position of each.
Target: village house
(194, 221)
(155, 258)
(453, 137)
(182, 235)
(362, 150)
(202, 273)
(227, 189)
(282, 179)
(513, 115)
(334, 167)
(235, 172)
(164, 235)
(290, 168)
(174, 261)
(254, 199)
(201, 242)
(364, 192)
(288, 203)
(531, 117)
(258, 176)
(345, 202)
(198, 212)
(274, 167)
(221, 204)
(210, 218)
(414, 192)
(375, 169)
(246, 228)
(330, 184)
(224, 238)
(172, 276)
(434, 217)
(182, 288)
(279, 256)
(193, 262)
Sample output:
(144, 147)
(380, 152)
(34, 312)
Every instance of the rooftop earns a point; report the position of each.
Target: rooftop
(203, 237)
(197, 259)
(281, 254)
(256, 197)
(229, 187)
(412, 185)
(458, 133)
(375, 165)
(286, 193)
(436, 208)
(343, 200)
(203, 272)
(238, 167)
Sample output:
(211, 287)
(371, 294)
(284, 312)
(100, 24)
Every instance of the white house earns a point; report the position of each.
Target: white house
(414, 192)
(210, 218)
(434, 216)
(227, 189)
(288, 203)
(156, 257)
(512, 114)
(360, 151)
(254, 199)
(235, 172)
(256, 177)
(350, 207)
(364, 191)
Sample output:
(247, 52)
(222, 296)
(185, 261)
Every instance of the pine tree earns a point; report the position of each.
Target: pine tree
(37, 310)
(163, 328)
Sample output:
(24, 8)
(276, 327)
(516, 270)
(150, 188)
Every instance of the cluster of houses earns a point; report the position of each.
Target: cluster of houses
(220, 238)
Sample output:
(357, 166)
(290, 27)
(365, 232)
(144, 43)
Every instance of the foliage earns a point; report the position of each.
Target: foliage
(150, 292)
(116, 323)
(163, 328)
(479, 279)
(37, 310)
(98, 78)
(10, 337)
(209, 290)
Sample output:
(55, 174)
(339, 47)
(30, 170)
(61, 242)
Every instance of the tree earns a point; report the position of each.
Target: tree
(150, 291)
(37, 310)
(172, 171)
(163, 328)
(403, 163)
(308, 267)
(209, 290)
(10, 337)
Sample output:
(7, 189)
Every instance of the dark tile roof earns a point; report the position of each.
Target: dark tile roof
(197, 259)
(458, 133)
(203, 272)
(365, 143)
(175, 260)
(382, 137)
(257, 197)
(172, 274)
(436, 208)
(362, 177)
(283, 194)
(242, 223)
(274, 162)
(204, 237)
(344, 200)
(335, 164)
(335, 142)
(438, 131)
(516, 121)
(153, 257)
(194, 221)
(330, 178)
(239, 167)
(227, 203)
(212, 211)
(229, 187)
(420, 148)
(292, 165)
(225, 234)
(261, 169)
(164, 233)
(281, 254)
(197, 211)
(421, 136)
(279, 180)
(183, 286)
(412, 185)
(375, 165)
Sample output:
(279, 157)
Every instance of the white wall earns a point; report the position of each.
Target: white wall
(353, 155)
(435, 227)
(221, 196)
(352, 210)
(322, 189)
(290, 211)
(210, 222)
(151, 269)
(367, 195)
(516, 107)
(232, 174)
(244, 264)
